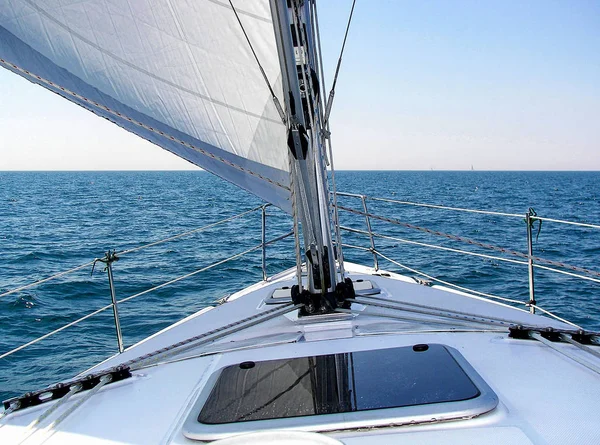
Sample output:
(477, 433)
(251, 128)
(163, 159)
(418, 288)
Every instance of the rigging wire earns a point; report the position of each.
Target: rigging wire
(274, 97)
(100, 110)
(131, 297)
(43, 280)
(297, 248)
(474, 243)
(337, 69)
(326, 134)
(128, 251)
(310, 101)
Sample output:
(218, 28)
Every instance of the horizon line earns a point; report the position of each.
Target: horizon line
(199, 170)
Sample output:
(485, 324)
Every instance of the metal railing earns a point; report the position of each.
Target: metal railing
(111, 257)
(528, 259)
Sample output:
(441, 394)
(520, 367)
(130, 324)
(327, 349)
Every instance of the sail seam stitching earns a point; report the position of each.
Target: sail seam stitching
(199, 79)
(260, 67)
(146, 127)
(240, 11)
(113, 56)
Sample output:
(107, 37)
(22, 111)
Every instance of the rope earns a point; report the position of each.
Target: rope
(472, 242)
(29, 430)
(460, 209)
(465, 289)
(135, 249)
(351, 246)
(219, 351)
(591, 226)
(56, 331)
(403, 331)
(567, 354)
(447, 283)
(200, 229)
(204, 269)
(508, 300)
(581, 346)
(161, 354)
(106, 109)
(433, 246)
(337, 69)
(43, 280)
(431, 311)
(408, 318)
(262, 71)
(51, 429)
(564, 272)
(102, 309)
(456, 209)
(553, 315)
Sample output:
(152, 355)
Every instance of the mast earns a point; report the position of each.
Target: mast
(299, 67)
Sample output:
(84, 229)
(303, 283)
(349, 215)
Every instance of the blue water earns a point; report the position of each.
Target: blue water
(52, 221)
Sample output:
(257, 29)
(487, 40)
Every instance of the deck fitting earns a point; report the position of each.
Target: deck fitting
(61, 389)
(553, 334)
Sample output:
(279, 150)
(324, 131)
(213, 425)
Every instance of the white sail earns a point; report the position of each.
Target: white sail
(179, 73)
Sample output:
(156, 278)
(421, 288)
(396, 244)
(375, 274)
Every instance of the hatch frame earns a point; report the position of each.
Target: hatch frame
(483, 403)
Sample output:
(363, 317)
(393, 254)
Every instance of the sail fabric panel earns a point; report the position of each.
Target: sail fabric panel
(266, 182)
(183, 68)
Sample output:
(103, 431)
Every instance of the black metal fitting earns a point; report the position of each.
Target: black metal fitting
(519, 332)
(344, 293)
(319, 303)
(583, 337)
(550, 334)
(61, 389)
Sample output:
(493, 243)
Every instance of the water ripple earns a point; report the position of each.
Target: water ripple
(51, 221)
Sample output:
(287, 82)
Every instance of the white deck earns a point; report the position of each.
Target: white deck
(544, 397)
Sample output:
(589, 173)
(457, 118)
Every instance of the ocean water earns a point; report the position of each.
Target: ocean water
(53, 221)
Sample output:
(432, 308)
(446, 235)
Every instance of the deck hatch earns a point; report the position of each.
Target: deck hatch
(361, 389)
(336, 383)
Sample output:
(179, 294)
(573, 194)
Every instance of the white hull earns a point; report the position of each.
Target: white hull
(544, 397)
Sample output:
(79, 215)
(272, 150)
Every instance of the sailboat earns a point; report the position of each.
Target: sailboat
(328, 352)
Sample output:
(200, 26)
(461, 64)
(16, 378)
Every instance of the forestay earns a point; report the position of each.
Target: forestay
(179, 73)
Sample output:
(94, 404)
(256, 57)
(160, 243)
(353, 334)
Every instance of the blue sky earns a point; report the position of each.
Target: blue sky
(500, 85)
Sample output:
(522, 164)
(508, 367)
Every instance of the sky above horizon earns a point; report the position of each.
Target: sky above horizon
(438, 85)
